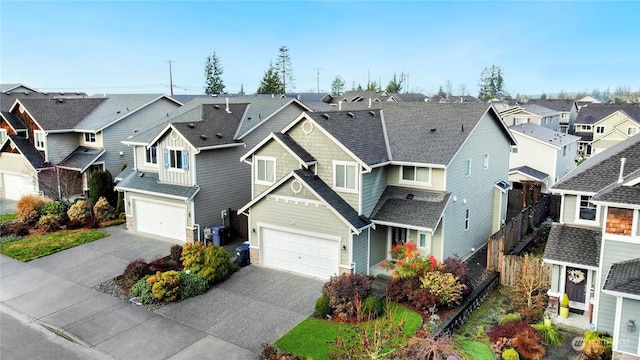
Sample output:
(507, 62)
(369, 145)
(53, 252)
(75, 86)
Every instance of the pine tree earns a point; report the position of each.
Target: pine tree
(212, 74)
(271, 83)
(491, 83)
(285, 69)
(395, 85)
(241, 89)
(337, 86)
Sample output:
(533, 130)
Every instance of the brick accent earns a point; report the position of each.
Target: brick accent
(619, 221)
(254, 255)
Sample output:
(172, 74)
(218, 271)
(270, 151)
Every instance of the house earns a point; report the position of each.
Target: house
(567, 108)
(586, 100)
(186, 175)
(542, 156)
(530, 113)
(452, 99)
(594, 248)
(54, 144)
(333, 192)
(602, 125)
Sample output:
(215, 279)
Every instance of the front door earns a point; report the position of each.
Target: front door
(576, 282)
(398, 237)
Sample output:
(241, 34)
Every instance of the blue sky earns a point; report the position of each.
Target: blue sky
(124, 47)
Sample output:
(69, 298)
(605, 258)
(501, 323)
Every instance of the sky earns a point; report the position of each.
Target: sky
(125, 47)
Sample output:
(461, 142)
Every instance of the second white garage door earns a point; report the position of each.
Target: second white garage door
(15, 186)
(303, 254)
(160, 219)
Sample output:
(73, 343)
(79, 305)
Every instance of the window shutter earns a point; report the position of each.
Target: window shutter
(166, 158)
(185, 160)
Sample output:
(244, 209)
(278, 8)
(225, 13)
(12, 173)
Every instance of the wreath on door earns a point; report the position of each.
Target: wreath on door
(576, 276)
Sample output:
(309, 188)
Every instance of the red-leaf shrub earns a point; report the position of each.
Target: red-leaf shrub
(399, 289)
(14, 227)
(136, 270)
(528, 344)
(343, 290)
(175, 253)
(509, 330)
(422, 299)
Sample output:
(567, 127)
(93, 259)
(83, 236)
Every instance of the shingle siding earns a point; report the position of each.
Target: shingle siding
(285, 163)
(373, 185)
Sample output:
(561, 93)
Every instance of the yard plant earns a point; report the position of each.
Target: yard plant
(34, 247)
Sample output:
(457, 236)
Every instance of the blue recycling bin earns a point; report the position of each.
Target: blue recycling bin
(218, 235)
(242, 255)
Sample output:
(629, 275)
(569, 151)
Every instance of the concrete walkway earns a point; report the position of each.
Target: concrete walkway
(255, 306)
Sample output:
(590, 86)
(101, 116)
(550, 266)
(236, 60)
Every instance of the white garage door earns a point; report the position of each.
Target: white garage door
(15, 186)
(303, 254)
(160, 219)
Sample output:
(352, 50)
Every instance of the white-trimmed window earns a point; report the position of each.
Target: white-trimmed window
(485, 162)
(586, 127)
(424, 242)
(467, 167)
(345, 176)
(3, 135)
(415, 174)
(176, 159)
(151, 155)
(38, 139)
(90, 138)
(518, 120)
(466, 219)
(587, 210)
(600, 129)
(632, 130)
(265, 170)
(514, 149)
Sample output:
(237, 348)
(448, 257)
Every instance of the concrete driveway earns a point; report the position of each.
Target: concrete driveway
(255, 306)
(7, 206)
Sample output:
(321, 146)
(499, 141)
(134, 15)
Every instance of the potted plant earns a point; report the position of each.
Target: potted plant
(564, 306)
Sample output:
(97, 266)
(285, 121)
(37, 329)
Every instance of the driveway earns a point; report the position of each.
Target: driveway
(7, 206)
(256, 305)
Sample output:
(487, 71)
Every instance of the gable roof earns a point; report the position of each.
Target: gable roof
(562, 105)
(59, 114)
(624, 277)
(26, 148)
(81, 158)
(13, 121)
(593, 113)
(573, 245)
(603, 168)
(530, 172)
(8, 98)
(419, 209)
(539, 110)
(149, 183)
(17, 87)
(624, 191)
(544, 135)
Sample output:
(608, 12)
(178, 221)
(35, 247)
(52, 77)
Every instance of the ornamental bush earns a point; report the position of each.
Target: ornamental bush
(50, 222)
(444, 286)
(55, 208)
(29, 207)
(210, 261)
(135, 270)
(343, 291)
(101, 185)
(103, 210)
(79, 212)
(192, 285)
(322, 307)
(15, 228)
(409, 262)
(165, 286)
(142, 291)
(510, 354)
(370, 308)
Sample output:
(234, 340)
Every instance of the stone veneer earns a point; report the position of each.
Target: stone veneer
(254, 255)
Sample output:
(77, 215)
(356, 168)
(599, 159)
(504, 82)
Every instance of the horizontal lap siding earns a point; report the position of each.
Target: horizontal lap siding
(360, 251)
(60, 146)
(378, 245)
(628, 341)
(569, 203)
(437, 179)
(373, 185)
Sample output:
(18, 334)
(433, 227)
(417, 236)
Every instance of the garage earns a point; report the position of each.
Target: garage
(15, 186)
(300, 253)
(162, 219)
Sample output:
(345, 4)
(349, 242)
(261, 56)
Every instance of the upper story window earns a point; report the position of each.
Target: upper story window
(586, 127)
(520, 120)
(90, 138)
(176, 159)
(416, 174)
(587, 209)
(467, 167)
(632, 130)
(485, 162)
(151, 155)
(514, 149)
(600, 129)
(345, 176)
(3, 135)
(38, 139)
(466, 218)
(266, 170)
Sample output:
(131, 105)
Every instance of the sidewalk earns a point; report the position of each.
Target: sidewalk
(230, 321)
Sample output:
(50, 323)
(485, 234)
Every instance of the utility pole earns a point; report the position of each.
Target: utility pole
(170, 76)
(318, 78)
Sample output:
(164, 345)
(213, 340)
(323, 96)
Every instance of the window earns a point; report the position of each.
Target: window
(586, 127)
(151, 156)
(423, 242)
(564, 151)
(3, 135)
(514, 149)
(38, 140)
(90, 138)
(266, 170)
(631, 130)
(176, 159)
(485, 162)
(520, 120)
(344, 176)
(466, 219)
(417, 174)
(467, 168)
(600, 129)
(587, 209)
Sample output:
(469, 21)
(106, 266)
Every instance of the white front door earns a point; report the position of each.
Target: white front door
(162, 219)
(301, 253)
(15, 186)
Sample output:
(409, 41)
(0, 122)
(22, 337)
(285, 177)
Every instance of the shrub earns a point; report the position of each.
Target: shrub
(210, 261)
(50, 222)
(343, 290)
(29, 207)
(102, 210)
(192, 285)
(549, 334)
(409, 262)
(142, 290)
(400, 288)
(322, 308)
(529, 344)
(55, 208)
(370, 308)
(165, 286)
(597, 346)
(509, 318)
(101, 185)
(531, 315)
(444, 286)
(510, 354)
(79, 212)
(460, 270)
(422, 299)
(270, 352)
(135, 271)
(14, 227)
(175, 252)
(507, 330)
(439, 348)
(164, 264)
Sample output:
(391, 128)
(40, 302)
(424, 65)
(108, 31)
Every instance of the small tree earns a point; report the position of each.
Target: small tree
(531, 285)
(491, 83)
(101, 184)
(337, 86)
(212, 73)
(271, 83)
(395, 85)
(285, 68)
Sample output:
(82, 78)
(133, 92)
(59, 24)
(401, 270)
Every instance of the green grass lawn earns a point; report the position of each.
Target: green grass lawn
(8, 217)
(34, 247)
(475, 350)
(311, 338)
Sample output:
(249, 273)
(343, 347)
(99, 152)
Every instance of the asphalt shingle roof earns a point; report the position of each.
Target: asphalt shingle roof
(295, 147)
(624, 277)
(215, 126)
(81, 158)
(29, 151)
(7, 99)
(544, 134)
(563, 105)
(539, 110)
(593, 113)
(13, 121)
(620, 193)
(572, 244)
(412, 207)
(60, 114)
(536, 174)
(148, 182)
(114, 107)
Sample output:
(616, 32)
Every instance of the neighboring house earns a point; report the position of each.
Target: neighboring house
(186, 174)
(371, 96)
(586, 101)
(602, 125)
(333, 192)
(542, 156)
(566, 107)
(595, 248)
(452, 99)
(56, 144)
(530, 113)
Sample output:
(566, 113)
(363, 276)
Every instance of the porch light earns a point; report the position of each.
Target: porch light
(631, 326)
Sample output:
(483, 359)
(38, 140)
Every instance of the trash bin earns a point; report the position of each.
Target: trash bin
(218, 234)
(242, 255)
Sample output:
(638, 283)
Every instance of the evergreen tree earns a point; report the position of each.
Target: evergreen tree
(543, 96)
(337, 86)
(285, 69)
(212, 74)
(491, 83)
(271, 83)
(372, 86)
(241, 89)
(395, 85)
(442, 93)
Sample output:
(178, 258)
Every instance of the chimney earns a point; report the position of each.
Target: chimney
(227, 106)
(369, 102)
(621, 176)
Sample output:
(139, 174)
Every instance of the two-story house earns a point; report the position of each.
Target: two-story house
(602, 125)
(186, 174)
(530, 113)
(333, 192)
(542, 156)
(593, 248)
(567, 108)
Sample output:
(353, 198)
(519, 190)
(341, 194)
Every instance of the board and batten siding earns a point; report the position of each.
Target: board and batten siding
(361, 252)
(225, 183)
(614, 251)
(437, 179)
(173, 140)
(475, 192)
(373, 185)
(285, 163)
(325, 151)
(629, 341)
(59, 146)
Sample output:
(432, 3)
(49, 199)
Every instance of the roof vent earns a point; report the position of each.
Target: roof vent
(60, 101)
(203, 137)
(141, 174)
(216, 106)
(409, 196)
(373, 113)
(351, 114)
(326, 116)
(462, 127)
(191, 125)
(118, 112)
(218, 135)
(433, 129)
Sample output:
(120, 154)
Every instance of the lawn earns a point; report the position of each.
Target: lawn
(8, 217)
(34, 247)
(312, 338)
